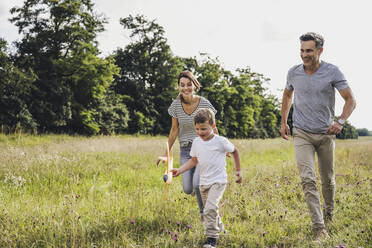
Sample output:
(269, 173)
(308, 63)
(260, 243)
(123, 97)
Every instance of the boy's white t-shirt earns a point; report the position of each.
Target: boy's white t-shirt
(211, 157)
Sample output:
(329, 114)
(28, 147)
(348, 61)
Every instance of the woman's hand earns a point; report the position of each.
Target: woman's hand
(162, 159)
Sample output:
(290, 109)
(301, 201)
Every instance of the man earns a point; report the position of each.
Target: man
(314, 128)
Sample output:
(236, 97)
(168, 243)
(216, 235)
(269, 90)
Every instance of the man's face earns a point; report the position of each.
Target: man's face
(204, 130)
(309, 53)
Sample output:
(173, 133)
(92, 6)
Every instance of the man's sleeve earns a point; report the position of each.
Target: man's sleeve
(339, 81)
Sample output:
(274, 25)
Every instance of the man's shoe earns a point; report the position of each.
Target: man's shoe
(210, 243)
(321, 234)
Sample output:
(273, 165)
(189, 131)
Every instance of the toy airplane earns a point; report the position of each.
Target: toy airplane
(168, 174)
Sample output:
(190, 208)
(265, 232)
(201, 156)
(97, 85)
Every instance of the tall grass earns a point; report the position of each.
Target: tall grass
(63, 191)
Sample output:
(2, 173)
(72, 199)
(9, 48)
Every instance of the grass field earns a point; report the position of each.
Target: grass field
(64, 191)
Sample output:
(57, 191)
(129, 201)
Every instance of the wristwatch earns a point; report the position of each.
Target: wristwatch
(341, 121)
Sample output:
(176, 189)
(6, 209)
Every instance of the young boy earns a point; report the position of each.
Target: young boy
(208, 151)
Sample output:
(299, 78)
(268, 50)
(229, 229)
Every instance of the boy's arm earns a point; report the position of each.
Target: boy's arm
(236, 157)
(191, 163)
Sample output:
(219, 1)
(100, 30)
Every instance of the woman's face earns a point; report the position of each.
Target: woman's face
(186, 87)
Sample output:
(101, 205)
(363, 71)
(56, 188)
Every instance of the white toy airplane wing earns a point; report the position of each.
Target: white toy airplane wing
(168, 176)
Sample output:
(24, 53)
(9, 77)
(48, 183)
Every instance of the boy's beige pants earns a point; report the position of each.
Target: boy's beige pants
(306, 145)
(211, 196)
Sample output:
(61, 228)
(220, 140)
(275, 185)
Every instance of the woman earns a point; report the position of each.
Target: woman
(182, 110)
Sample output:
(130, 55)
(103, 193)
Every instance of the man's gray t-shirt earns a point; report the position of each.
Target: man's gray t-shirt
(314, 96)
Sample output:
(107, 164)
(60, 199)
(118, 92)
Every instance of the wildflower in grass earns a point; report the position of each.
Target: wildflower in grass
(178, 224)
(264, 233)
(175, 239)
(131, 221)
(188, 226)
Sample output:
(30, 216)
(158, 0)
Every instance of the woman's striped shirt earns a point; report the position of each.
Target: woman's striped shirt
(186, 132)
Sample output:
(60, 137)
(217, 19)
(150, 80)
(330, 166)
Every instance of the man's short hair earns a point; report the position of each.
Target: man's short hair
(319, 40)
(203, 115)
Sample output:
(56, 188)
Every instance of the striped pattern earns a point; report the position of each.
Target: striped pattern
(186, 132)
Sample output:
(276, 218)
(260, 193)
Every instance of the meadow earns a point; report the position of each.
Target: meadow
(106, 191)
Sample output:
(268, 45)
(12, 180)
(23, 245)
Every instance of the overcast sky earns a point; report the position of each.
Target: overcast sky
(260, 34)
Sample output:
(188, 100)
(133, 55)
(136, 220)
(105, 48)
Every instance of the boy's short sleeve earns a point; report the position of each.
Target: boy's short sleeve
(227, 145)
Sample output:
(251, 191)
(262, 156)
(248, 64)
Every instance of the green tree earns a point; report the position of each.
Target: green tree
(245, 110)
(15, 88)
(363, 132)
(265, 116)
(215, 85)
(348, 132)
(59, 44)
(148, 76)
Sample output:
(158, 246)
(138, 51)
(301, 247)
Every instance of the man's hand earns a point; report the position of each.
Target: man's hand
(335, 128)
(284, 131)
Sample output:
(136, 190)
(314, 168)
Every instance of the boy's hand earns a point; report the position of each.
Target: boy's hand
(175, 172)
(238, 176)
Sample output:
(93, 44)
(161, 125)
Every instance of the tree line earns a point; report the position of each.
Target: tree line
(54, 80)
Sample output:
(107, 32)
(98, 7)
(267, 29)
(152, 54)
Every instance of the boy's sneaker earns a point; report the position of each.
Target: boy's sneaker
(320, 235)
(210, 243)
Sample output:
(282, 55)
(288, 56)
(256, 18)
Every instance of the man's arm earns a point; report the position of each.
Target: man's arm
(349, 105)
(286, 106)
(348, 108)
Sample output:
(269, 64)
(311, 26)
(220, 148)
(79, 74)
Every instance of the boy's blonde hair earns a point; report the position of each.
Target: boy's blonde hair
(203, 115)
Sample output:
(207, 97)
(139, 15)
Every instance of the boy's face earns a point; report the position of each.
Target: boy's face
(204, 130)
